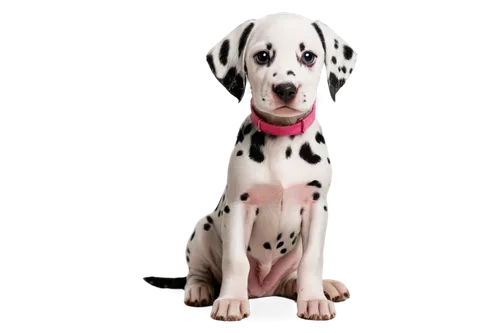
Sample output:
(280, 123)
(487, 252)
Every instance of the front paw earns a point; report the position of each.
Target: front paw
(230, 309)
(317, 309)
(335, 291)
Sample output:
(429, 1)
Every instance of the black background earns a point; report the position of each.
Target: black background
(171, 136)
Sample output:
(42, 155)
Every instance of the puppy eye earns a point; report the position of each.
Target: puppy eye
(308, 58)
(261, 57)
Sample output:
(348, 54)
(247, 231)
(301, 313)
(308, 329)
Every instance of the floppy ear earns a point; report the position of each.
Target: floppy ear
(227, 59)
(339, 57)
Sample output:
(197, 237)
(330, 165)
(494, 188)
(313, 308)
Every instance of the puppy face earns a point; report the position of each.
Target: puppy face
(284, 58)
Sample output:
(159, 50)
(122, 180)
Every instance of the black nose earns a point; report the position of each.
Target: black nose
(285, 91)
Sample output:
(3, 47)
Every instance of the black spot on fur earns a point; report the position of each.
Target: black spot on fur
(328, 159)
(192, 235)
(219, 214)
(209, 219)
(280, 244)
(294, 240)
(240, 136)
(344, 69)
(292, 234)
(334, 60)
(320, 34)
(210, 60)
(348, 52)
(226, 209)
(283, 251)
(256, 147)
(239, 153)
(257, 211)
(336, 44)
(301, 211)
(269, 46)
(315, 196)
(279, 236)
(308, 155)
(249, 249)
(248, 128)
(350, 71)
(320, 138)
(187, 258)
(325, 208)
(314, 183)
(334, 84)
(206, 226)
(187, 250)
(267, 245)
(292, 136)
(230, 78)
(302, 47)
(275, 74)
(290, 73)
(243, 38)
(244, 196)
(224, 52)
(288, 152)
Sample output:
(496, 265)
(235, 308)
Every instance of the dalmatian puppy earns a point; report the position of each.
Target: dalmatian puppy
(266, 234)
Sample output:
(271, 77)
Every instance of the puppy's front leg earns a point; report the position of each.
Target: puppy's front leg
(311, 301)
(232, 303)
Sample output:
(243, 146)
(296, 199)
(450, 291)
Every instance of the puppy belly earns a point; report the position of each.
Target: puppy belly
(281, 268)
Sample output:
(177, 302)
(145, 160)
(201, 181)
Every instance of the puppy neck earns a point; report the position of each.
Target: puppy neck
(296, 125)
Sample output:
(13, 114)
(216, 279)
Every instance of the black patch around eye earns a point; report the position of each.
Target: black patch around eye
(302, 47)
(314, 183)
(315, 196)
(308, 155)
(334, 84)
(243, 38)
(290, 73)
(244, 196)
(239, 153)
(206, 226)
(320, 34)
(209, 219)
(234, 83)
(269, 46)
(288, 152)
(224, 52)
(320, 138)
(226, 209)
(348, 52)
(334, 60)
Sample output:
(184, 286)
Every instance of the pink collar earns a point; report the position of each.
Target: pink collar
(298, 128)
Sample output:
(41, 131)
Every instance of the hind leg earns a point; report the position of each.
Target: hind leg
(199, 289)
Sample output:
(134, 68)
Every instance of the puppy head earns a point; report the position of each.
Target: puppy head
(282, 55)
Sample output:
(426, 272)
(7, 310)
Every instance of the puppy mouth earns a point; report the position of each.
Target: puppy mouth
(285, 111)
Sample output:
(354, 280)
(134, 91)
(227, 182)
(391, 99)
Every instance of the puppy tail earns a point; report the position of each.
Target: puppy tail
(171, 283)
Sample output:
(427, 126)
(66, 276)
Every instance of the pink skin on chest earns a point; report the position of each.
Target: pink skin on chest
(265, 273)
